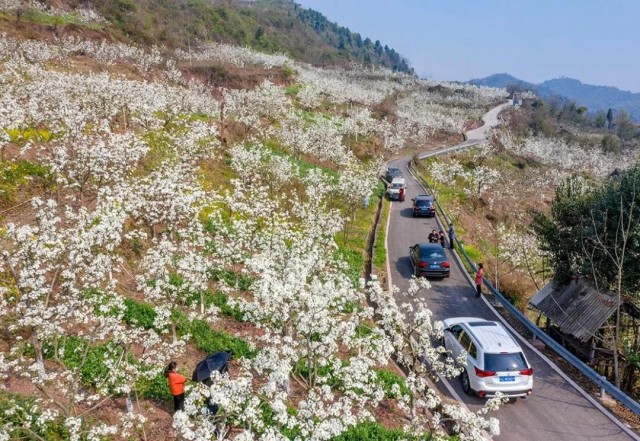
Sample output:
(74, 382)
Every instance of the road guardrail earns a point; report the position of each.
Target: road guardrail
(570, 358)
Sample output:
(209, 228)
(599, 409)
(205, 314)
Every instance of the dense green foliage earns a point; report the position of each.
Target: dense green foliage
(267, 25)
(588, 227)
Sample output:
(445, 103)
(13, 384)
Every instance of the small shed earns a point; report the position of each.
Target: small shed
(576, 312)
(577, 309)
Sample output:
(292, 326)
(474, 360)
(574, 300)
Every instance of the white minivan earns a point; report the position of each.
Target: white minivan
(494, 361)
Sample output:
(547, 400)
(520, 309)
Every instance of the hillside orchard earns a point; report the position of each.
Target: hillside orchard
(147, 216)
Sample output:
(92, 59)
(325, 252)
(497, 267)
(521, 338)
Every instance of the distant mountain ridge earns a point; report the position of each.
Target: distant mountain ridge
(595, 98)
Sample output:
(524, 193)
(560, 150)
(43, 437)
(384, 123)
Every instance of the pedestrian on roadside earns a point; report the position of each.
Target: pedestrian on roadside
(176, 385)
(479, 277)
(433, 237)
(401, 195)
(452, 235)
(441, 238)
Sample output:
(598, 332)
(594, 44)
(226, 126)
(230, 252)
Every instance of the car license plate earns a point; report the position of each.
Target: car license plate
(507, 378)
(434, 266)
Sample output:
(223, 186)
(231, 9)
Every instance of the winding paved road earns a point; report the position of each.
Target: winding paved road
(557, 410)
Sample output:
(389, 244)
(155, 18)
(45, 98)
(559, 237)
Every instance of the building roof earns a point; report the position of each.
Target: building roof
(578, 309)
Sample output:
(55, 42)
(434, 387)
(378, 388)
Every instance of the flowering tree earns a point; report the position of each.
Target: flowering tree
(412, 333)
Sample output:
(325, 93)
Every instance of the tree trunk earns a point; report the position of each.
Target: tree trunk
(37, 348)
(616, 332)
(173, 332)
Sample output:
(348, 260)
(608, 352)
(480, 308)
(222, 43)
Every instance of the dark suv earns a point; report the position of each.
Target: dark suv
(392, 172)
(423, 206)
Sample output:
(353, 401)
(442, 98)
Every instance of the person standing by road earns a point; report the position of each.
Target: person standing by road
(479, 277)
(401, 195)
(176, 385)
(452, 235)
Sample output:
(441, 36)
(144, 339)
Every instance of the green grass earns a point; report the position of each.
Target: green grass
(204, 337)
(43, 18)
(155, 388)
(386, 379)
(293, 89)
(210, 340)
(379, 249)
(238, 281)
(371, 432)
(352, 248)
(304, 166)
(268, 418)
(355, 263)
(139, 314)
(18, 174)
(92, 369)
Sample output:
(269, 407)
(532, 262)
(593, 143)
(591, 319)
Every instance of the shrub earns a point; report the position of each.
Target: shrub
(610, 144)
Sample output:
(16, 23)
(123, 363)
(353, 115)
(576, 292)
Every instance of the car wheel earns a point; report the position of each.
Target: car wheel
(466, 384)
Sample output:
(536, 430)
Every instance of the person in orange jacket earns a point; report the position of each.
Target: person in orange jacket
(176, 385)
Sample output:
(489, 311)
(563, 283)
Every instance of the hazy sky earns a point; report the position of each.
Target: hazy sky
(597, 42)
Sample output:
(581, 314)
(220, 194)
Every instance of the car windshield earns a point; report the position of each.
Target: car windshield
(432, 253)
(394, 171)
(504, 362)
(423, 202)
(396, 185)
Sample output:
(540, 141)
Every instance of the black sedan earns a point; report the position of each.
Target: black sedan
(429, 260)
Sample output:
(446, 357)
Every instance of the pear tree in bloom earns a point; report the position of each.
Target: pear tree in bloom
(175, 270)
(62, 272)
(479, 180)
(249, 107)
(356, 185)
(413, 334)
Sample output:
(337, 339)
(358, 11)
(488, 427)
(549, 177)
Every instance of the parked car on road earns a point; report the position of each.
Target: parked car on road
(394, 188)
(423, 206)
(429, 260)
(494, 360)
(392, 172)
